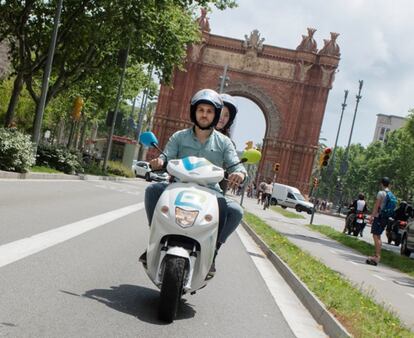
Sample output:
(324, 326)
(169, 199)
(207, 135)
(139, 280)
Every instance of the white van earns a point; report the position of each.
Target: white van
(289, 197)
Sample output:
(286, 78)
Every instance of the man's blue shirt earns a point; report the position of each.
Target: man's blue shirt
(218, 149)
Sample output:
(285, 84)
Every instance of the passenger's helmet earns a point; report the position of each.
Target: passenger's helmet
(208, 96)
(403, 204)
(231, 105)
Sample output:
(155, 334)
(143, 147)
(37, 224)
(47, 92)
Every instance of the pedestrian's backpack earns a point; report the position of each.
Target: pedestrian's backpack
(389, 205)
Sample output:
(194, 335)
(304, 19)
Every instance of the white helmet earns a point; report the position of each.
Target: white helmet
(208, 96)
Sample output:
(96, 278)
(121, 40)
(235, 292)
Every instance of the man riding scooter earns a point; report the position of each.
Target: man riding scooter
(357, 210)
(202, 140)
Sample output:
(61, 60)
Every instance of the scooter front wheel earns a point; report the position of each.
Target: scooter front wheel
(171, 289)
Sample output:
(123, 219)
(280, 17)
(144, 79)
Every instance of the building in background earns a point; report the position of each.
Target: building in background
(385, 124)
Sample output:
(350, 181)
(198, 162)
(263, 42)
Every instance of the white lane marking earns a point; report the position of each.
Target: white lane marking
(118, 189)
(411, 295)
(353, 263)
(333, 251)
(298, 318)
(379, 277)
(22, 248)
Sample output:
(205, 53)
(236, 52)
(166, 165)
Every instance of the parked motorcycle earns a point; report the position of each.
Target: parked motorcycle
(184, 228)
(395, 229)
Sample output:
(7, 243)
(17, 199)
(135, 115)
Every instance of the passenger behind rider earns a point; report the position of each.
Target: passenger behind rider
(358, 205)
(227, 116)
(202, 140)
(402, 212)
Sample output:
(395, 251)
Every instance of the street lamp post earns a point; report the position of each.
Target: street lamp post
(331, 167)
(332, 163)
(118, 98)
(223, 79)
(37, 126)
(344, 163)
(143, 105)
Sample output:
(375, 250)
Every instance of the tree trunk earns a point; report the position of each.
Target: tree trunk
(72, 130)
(83, 135)
(14, 100)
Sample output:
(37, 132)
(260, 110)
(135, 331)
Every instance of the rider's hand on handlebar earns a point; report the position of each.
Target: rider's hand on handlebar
(235, 179)
(156, 163)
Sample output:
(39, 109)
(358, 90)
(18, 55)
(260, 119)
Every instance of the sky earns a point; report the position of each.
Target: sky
(376, 46)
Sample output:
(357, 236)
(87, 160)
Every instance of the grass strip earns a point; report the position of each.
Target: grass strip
(286, 213)
(402, 263)
(356, 311)
(41, 169)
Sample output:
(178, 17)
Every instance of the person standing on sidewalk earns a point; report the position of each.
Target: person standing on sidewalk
(260, 192)
(383, 208)
(267, 193)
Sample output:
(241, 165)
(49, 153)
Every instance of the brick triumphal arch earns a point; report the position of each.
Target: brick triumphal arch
(290, 86)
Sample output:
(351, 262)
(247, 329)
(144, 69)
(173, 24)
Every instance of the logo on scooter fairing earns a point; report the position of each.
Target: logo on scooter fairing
(190, 199)
(191, 166)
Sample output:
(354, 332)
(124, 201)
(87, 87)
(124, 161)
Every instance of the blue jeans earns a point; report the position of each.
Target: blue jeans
(229, 218)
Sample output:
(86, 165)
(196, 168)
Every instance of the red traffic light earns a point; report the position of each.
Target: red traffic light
(327, 151)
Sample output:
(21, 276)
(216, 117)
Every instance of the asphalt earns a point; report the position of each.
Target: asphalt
(69, 268)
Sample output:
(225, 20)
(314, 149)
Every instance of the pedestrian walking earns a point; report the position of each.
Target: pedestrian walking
(383, 209)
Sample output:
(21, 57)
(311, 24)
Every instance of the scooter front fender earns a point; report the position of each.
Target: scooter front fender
(179, 252)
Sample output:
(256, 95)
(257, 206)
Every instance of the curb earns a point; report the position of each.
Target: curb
(330, 324)
(42, 176)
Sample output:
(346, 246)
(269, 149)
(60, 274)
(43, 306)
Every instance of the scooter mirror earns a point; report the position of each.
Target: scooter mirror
(148, 139)
(251, 156)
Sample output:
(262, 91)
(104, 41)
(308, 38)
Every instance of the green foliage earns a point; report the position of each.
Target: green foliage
(355, 310)
(286, 213)
(16, 151)
(118, 169)
(94, 169)
(90, 35)
(410, 123)
(366, 166)
(47, 170)
(25, 107)
(58, 158)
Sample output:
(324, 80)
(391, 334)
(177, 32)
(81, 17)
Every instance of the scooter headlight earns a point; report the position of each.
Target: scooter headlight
(185, 218)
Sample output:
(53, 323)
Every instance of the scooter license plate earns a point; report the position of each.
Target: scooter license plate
(359, 221)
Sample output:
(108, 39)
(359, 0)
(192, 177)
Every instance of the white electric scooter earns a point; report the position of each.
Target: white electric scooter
(184, 228)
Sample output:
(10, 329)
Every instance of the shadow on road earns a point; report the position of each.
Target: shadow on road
(134, 300)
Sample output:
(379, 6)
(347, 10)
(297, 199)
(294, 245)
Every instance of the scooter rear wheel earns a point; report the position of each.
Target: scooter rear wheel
(172, 287)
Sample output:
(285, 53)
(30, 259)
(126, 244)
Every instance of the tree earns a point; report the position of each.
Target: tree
(90, 35)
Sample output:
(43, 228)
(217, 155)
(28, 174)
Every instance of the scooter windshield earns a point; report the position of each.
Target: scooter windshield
(195, 169)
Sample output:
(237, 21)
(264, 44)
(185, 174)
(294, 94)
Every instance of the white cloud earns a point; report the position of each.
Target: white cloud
(376, 46)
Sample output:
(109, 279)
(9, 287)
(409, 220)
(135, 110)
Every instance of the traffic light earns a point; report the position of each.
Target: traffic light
(324, 157)
(315, 182)
(276, 167)
(77, 108)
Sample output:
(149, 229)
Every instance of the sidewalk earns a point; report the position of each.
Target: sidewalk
(393, 289)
